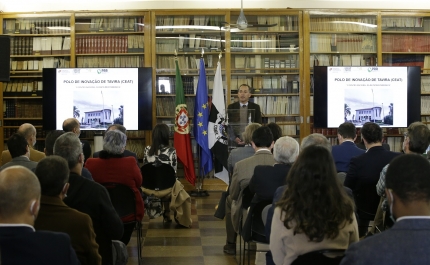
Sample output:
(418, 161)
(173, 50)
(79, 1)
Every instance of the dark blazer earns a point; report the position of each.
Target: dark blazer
(56, 216)
(22, 245)
(125, 154)
(251, 106)
(363, 174)
(343, 153)
(267, 179)
(86, 148)
(93, 199)
(407, 242)
(20, 161)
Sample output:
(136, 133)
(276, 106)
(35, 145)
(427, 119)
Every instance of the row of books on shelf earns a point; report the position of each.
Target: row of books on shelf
(267, 84)
(420, 60)
(283, 23)
(38, 65)
(23, 85)
(36, 26)
(342, 43)
(249, 62)
(110, 61)
(165, 23)
(343, 60)
(278, 105)
(405, 24)
(425, 84)
(264, 42)
(395, 143)
(111, 24)
(405, 43)
(25, 108)
(425, 105)
(331, 23)
(166, 106)
(166, 85)
(188, 43)
(185, 62)
(39, 45)
(109, 44)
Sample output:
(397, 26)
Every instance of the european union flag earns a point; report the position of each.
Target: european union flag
(201, 120)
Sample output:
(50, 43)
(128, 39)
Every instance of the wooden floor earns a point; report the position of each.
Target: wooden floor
(168, 244)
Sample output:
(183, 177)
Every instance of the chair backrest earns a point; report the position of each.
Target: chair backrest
(123, 199)
(158, 177)
(318, 257)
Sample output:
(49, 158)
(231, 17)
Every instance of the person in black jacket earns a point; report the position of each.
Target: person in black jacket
(74, 126)
(89, 197)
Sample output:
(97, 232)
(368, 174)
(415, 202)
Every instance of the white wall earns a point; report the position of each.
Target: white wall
(60, 5)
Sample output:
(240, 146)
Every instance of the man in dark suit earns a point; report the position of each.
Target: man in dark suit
(20, 152)
(408, 241)
(262, 142)
(19, 242)
(56, 216)
(363, 174)
(89, 197)
(74, 126)
(29, 132)
(342, 153)
(122, 129)
(239, 112)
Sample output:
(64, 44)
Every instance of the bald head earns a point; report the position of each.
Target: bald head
(19, 188)
(70, 125)
(29, 132)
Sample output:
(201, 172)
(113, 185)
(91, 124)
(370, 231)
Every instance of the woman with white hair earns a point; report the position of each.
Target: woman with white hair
(112, 167)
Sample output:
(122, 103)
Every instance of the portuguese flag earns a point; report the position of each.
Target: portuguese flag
(182, 140)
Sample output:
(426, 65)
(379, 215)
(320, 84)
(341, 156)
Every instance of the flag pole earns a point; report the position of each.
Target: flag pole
(199, 192)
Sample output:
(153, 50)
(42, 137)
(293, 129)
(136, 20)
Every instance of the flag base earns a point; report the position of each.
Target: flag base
(199, 193)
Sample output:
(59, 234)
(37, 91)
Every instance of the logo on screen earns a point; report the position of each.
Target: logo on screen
(371, 69)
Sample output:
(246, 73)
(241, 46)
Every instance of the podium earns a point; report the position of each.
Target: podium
(236, 122)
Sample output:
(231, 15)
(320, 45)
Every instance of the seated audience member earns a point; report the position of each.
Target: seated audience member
(266, 179)
(416, 142)
(363, 174)
(342, 153)
(126, 152)
(55, 215)
(262, 142)
(74, 126)
(276, 131)
(408, 241)
(238, 154)
(20, 152)
(89, 197)
(314, 212)
(112, 166)
(29, 132)
(160, 152)
(19, 207)
(50, 139)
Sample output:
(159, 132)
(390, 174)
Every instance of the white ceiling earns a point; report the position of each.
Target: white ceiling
(60, 5)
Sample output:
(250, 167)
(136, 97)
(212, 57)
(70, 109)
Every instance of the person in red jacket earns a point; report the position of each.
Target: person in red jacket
(112, 166)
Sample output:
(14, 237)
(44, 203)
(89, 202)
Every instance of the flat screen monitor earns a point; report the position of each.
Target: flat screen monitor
(388, 96)
(98, 97)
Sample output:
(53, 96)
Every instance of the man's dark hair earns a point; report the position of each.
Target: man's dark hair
(50, 141)
(347, 130)
(17, 145)
(371, 132)
(53, 173)
(70, 124)
(418, 134)
(118, 127)
(408, 177)
(276, 130)
(262, 137)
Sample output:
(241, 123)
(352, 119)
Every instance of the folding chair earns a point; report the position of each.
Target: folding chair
(123, 200)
